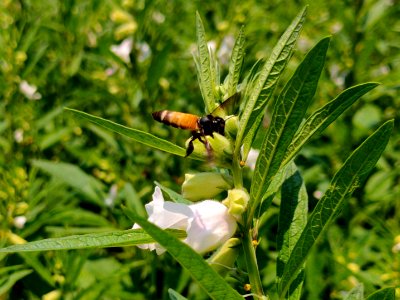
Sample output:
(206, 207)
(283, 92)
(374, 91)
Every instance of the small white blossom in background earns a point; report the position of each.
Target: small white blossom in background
(19, 222)
(144, 51)
(112, 195)
(396, 246)
(123, 50)
(212, 45)
(19, 135)
(252, 158)
(318, 194)
(29, 90)
(158, 17)
(207, 224)
(224, 51)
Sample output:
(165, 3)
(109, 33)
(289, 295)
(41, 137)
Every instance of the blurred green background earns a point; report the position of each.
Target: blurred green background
(61, 175)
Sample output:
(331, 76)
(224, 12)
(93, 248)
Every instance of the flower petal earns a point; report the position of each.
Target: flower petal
(210, 227)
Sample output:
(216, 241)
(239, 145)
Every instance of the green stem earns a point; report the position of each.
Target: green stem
(252, 267)
(247, 242)
(237, 174)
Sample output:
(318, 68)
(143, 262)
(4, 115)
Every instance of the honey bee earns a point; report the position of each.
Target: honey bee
(199, 126)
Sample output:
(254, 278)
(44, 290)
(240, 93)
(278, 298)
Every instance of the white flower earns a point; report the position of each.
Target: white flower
(19, 135)
(19, 222)
(29, 90)
(252, 158)
(207, 224)
(144, 51)
(112, 195)
(225, 49)
(123, 50)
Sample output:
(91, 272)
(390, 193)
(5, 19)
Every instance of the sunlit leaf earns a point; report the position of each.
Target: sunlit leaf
(324, 116)
(383, 294)
(345, 181)
(265, 82)
(236, 62)
(85, 241)
(357, 293)
(288, 113)
(137, 135)
(203, 63)
(292, 220)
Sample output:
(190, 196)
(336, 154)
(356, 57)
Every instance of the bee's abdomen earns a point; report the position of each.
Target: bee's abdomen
(177, 119)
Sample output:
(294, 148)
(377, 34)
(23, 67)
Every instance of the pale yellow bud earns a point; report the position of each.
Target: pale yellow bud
(205, 185)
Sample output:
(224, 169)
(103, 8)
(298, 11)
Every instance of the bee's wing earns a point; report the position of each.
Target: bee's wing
(227, 107)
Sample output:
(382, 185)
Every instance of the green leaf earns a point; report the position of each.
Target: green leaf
(266, 80)
(383, 294)
(357, 293)
(292, 221)
(137, 135)
(174, 196)
(236, 63)
(324, 116)
(287, 116)
(34, 262)
(345, 181)
(203, 63)
(86, 241)
(74, 177)
(215, 286)
(174, 295)
(7, 282)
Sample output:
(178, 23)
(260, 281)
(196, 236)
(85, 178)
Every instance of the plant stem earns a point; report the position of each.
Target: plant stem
(237, 174)
(252, 267)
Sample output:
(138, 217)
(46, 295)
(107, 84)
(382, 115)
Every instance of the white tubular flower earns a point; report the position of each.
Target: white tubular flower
(207, 224)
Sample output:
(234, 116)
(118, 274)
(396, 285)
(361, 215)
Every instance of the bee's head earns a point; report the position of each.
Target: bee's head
(210, 124)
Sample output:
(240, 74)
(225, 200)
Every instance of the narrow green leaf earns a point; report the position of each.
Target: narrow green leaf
(345, 181)
(174, 196)
(287, 116)
(267, 79)
(324, 116)
(383, 294)
(250, 136)
(236, 63)
(74, 177)
(292, 221)
(137, 135)
(174, 295)
(215, 286)
(85, 241)
(357, 293)
(203, 64)
(11, 279)
(34, 262)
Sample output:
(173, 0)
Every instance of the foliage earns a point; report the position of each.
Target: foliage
(71, 184)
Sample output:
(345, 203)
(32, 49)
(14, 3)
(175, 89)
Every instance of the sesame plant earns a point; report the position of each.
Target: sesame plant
(212, 227)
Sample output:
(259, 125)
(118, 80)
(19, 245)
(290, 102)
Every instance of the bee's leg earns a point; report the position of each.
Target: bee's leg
(190, 148)
(206, 144)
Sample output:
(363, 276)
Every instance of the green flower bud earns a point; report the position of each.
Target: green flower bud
(205, 185)
(220, 150)
(231, 126)
(223, 259)
(236, 202)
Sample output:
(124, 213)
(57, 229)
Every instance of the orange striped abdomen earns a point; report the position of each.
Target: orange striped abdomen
(177, 119)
